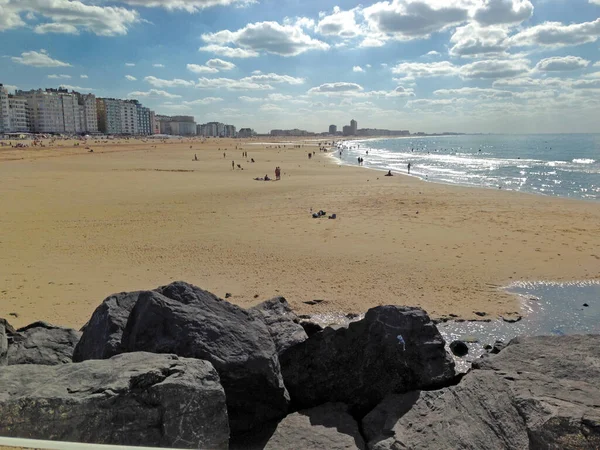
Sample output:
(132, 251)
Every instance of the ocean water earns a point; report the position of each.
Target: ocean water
(565, 165)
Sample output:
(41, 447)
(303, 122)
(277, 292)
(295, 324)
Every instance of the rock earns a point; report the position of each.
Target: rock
(459, 348)
(101, 336)
(487, 347)
(197, 324)
(227, 295)
(470, 339)
(497, 348)
(328, 426)
(512, 319)
(586, 305)
(480, 314)
(361, 363)
(134, 399)
(539, 393)
(42, 343)
(310, 328)
(6, 331)
(281, 321)
(314, 302)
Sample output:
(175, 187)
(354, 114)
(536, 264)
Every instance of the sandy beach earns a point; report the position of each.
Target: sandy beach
(78, 226)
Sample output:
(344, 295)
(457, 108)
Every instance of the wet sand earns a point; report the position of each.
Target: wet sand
(78, 226)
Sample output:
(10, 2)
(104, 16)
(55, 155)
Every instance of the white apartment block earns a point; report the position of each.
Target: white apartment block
(71, 113)
(45, 111)
(18, 114)
(89, 115)
(4, 108)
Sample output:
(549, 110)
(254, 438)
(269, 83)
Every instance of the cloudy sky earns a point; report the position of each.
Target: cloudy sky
(514, 66)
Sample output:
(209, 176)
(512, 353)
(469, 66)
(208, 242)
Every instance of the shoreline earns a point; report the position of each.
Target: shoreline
(446, 183)
(79, 227)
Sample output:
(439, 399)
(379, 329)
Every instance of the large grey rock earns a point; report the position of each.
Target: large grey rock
(133, 399)
(328, 426)
(239, 346)
(282, 322)
(101, 336)
(362, 363)
(538, 393)
(6, 332)
(42, 343)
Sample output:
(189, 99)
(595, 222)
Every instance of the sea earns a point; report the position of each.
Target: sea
(564, 165)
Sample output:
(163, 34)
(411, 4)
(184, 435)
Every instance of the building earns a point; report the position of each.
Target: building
(246, 133)
(4, 111)
(294, 132)
(347, 130)
(70, 111)
(230, 131)
(129, 117)
(332, 129)
(18, 114)
(183, 126)
(109, 115)
(353, 127)
(46, 111)
(144, 118)
(88, 112)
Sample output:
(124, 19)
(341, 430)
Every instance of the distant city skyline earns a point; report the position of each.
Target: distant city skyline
(508, 66)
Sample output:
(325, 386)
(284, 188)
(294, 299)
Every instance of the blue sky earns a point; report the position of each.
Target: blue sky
(516, 66)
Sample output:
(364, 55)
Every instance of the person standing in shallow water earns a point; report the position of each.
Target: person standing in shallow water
(409, 168)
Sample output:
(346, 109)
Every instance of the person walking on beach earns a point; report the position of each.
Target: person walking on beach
(277, 173)
(232, 165)
(409, 168)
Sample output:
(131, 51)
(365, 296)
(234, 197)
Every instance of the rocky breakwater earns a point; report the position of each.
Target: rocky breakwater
(180, 367)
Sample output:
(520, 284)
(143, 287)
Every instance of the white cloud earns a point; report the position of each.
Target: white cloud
(131, 77)
(270, 37)
(339, 87)
(273, 78)
(494, 12)
(219, 64)
(471, 91)
(596, 64)
(433, 53)
(561, 63)
(204, 101)
(76, 88)
(251, 99)
(556, 34)
(372, 41)
(130, 64)
(269, 107)
(423, 70)
(153, 93)
(201, 69)
(357, 69)
(256, 72)
(10, 88)
(38, 59)
(232, 85)
(528, 82)
(495, 68)
(190, 6)
(67, 16)
(160, 83)
(339, 23)
(473, 40)
(410, 19)
(83, 76)
(58, 77)
(59, 28)
(159, 66)
(229, 52)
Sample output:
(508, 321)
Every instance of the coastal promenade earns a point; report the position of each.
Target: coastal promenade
(79, 226)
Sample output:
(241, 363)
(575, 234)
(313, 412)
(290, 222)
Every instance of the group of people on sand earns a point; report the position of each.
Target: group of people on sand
(267, 178)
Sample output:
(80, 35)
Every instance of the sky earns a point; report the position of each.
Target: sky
(491, 66)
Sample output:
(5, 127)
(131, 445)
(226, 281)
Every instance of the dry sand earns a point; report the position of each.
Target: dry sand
(77, 226)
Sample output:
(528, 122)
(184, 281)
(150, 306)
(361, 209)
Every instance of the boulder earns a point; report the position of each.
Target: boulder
(42, 343)
(101, 336)
(459, 348)
(327, 426)
(137, 399)
(282, 322)
(310, 328)
(6, 335)
(538, 393)
(233, 340)
(393, 349)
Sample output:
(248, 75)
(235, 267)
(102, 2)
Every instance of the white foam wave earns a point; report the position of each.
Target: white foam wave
(584, 161)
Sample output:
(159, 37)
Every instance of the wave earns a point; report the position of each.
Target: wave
(584, 161)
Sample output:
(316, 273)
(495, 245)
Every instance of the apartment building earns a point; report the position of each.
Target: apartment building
(109, 113)
(144, 120)
(18, 114)
(88, 112)
(230, 131)
(129, 117)
(45, 110)
(4, 119)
